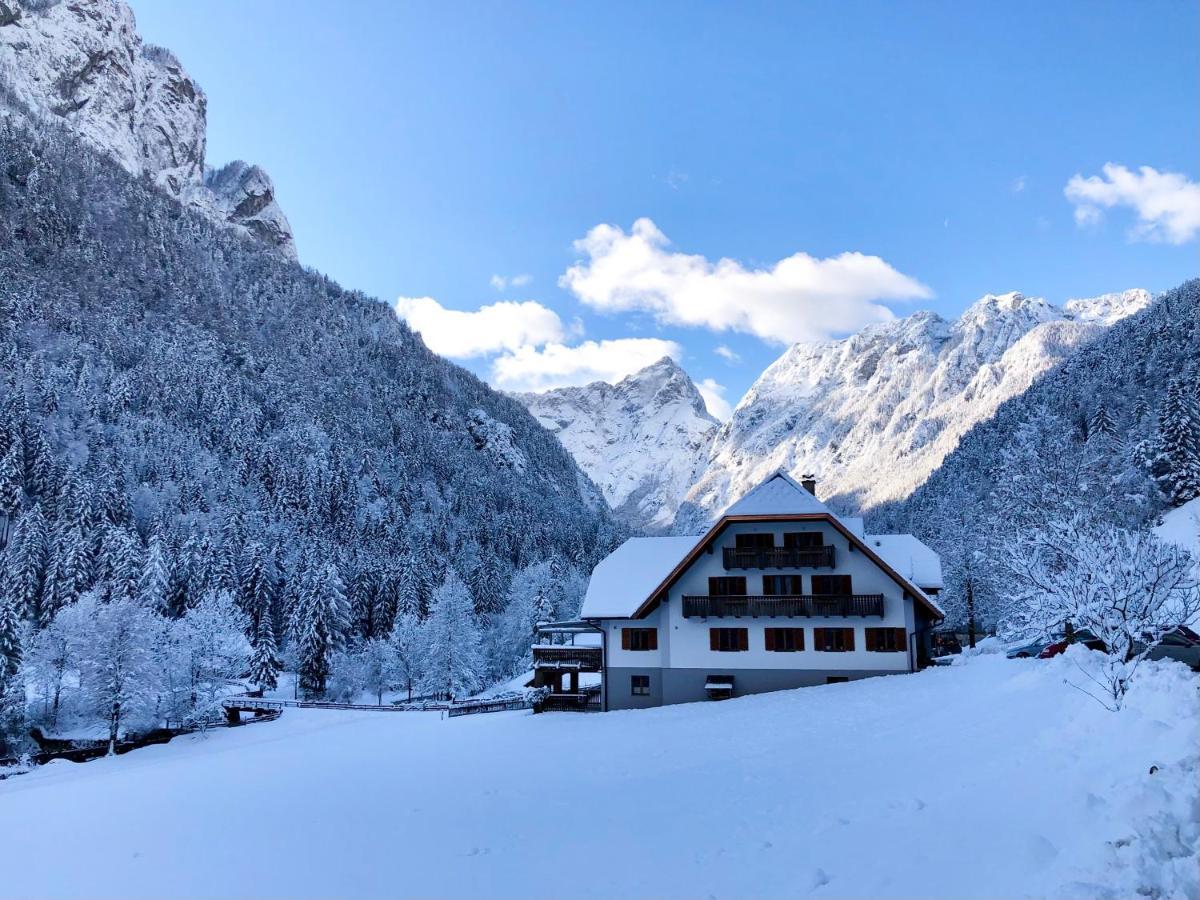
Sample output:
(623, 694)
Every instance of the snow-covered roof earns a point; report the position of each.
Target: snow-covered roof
(626, 577)
(779, 494)
(911, 558)
(855, 524)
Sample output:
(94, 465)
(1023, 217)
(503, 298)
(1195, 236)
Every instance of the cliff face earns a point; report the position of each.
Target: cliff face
(83, 64)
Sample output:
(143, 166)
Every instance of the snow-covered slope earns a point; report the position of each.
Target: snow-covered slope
(643, 441)
(872, 415)
(868, 789)
(83, 63)
(1181, 526)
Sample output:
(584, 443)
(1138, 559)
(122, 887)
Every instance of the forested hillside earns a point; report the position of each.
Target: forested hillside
(1112, 435)
(184, 415)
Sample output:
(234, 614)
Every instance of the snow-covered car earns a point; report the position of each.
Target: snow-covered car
(1182, 644)
(1027, 651)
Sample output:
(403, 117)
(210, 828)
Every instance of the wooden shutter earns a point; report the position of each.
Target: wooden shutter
(872, 638)
(849, 632)
(901, 639)
(625, 638)
(770, 637)
(818, 638)
(743, 638)
(652, 639)
(799, 638)
(713, 639)
(844, 586)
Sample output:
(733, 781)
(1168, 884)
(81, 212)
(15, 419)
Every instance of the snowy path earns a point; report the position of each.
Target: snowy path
(991, 779)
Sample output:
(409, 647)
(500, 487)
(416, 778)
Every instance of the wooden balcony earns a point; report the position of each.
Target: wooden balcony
(566, 656)
(779, 557)
(809, 605)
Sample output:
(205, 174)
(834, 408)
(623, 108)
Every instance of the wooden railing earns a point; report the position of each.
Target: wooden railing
(586, 701)
(474, 707)
(796, 605)
(587, 658)
(779, 557)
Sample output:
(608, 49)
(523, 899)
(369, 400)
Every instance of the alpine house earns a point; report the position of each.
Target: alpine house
(780, 593)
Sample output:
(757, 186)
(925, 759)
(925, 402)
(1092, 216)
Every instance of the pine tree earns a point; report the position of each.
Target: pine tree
(1176, 464)
(154, 584)
(11, 491)
(265, 663)
(454, 660)
(26, 562)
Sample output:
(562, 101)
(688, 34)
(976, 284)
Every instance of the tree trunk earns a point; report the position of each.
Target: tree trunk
(114, 726)
(971, 613)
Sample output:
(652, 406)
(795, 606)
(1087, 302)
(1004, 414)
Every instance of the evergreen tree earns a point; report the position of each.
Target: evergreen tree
(25, 564)
(1176, 464)
(454, 661)
(265, 663)
(11, 491)
(154, 584)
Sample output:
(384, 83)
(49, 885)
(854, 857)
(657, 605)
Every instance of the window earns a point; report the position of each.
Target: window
(728, 639)
(784, 640)
(639, 685)
(833, 640)
(831, 584)
(782, 585)
(755, 541)
(639, 638)
(727, 586)
(887, 640)
(803, 540)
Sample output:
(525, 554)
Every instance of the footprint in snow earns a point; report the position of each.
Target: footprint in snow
(819, 879)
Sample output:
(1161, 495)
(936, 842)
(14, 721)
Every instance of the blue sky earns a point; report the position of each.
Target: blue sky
(422, 149)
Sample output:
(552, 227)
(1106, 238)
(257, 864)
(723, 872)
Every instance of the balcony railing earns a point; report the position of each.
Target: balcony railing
(779, 557)
(795, 605)
(586, 659)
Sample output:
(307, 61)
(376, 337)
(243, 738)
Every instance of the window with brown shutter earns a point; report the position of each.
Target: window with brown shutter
(803, 540)
(784, 640)
(727, 586)
(887, 640)
(833, 640)
(783, 585)
(726, 640)
(639, 638)
(831, 584)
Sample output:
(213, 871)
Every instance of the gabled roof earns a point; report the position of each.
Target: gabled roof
(629, 582)
(629, 574)
(909, 556)
(779, 494)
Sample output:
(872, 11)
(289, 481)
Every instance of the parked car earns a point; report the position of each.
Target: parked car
(1027, 651)
(1082, 636)
(1182, 644)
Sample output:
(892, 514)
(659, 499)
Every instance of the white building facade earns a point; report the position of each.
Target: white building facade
(779, 593)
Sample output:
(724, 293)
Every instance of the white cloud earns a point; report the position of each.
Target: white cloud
(1167, 203)
(507, 325)
(503, 282)
(727, 354)
(714, 399)
(798, 298)
(1019, 184)
(556, 365)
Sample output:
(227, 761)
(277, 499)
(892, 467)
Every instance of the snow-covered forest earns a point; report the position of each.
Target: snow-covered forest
(1099, 447)
(208, 450)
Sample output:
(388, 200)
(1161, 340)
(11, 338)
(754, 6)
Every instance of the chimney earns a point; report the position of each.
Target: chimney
(809, 483)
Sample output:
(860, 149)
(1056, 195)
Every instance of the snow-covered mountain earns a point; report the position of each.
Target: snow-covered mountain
(643, 441)
(83, 63)
(874, 414)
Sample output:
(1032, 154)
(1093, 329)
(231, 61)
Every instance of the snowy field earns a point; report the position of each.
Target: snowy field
(993, 778)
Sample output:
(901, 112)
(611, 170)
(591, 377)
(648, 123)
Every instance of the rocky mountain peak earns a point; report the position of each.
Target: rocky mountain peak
(642, 440)
(82, 63)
